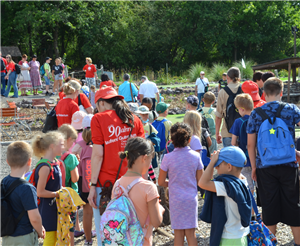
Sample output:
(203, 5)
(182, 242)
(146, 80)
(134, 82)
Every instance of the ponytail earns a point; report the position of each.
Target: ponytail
(234, 74)
(71, 87)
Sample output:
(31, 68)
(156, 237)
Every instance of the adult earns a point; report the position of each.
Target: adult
(63, 65)
(47, 75)
(106, 81)
(81, 99)
(90, 72)
(200, 86)
(57, 75)
(128, 90)
(35, 74)
(66, 107)
(222, 82)
(25, 84)
(149, 89)
(111, 128)
(233, 78)
(3, 74)
(12, 77)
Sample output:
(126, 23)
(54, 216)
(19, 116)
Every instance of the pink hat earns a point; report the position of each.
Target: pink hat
(77, 118)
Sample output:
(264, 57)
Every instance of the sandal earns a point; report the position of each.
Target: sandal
(78, 233)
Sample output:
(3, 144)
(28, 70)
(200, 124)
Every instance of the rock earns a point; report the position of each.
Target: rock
(169, 92)
(162, 91)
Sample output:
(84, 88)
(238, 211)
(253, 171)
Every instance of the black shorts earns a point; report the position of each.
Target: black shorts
(83, 195)
(278, 189)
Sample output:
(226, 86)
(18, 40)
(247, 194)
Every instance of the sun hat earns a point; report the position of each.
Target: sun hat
(193, 100)
(161, 107)
(34, 56)
(202, 72)
(251, 88)
(77, 118)
(134, 107)
(144, 110)
(233, 155)
(106, 93)
(86, 122)
(48, 58)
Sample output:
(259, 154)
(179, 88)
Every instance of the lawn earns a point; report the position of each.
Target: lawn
(175, 118)
(28, 93)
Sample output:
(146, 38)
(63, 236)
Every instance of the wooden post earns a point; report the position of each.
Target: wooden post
(289, 81)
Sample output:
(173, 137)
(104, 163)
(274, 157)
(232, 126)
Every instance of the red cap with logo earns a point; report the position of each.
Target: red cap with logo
(106, 93)
(251, 88)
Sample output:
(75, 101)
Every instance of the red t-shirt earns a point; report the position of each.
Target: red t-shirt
(5, 62)
(21, 62)
(108, 83)
(259, 103)
(64, 111)
(90, 70)
(10, 66)
(61, 95)
(263, 97)
(108, 130)
(85, 102)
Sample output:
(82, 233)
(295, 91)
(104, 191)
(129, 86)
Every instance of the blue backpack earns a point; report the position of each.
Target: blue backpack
(154, 139)
(275, 143)
(42, 70)
(160, 127)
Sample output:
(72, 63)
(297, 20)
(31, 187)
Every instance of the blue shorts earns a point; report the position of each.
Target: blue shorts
(47, 80)
(58, 76)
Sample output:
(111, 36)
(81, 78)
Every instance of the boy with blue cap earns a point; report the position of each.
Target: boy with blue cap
(227, 204)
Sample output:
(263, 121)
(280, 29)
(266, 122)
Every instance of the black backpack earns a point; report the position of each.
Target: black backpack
(231, 111)
(2, 65)
(51, 121)
(8, 222)
(18, 69)
(204, 142)
(204, 122)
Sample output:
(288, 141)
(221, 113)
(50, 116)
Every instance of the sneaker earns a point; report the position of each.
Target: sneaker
(78, 233)
(94, 234)
(88, 242)
(51, 94)
(47, 93)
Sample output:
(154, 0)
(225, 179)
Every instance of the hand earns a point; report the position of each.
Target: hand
(42, 234)
(297, 156)
(78, 157)
(154, 181)
(6, 77)
(254, 175)
(219, 138)
(215, 157)
(92, 197)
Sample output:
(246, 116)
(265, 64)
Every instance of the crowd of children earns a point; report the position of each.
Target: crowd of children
(112, 154)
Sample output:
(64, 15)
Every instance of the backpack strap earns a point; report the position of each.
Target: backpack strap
(65, 155)
(210, 110)
(79, 100)
(280, 108)
(133, 183)
(228, 91)
(150, 126)
(263, 115)
(50, 166)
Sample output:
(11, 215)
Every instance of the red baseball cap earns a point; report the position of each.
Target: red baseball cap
(106, 93)
(251, 88)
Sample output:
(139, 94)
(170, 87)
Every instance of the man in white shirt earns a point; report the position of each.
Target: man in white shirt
(148, 89)
(200, 85)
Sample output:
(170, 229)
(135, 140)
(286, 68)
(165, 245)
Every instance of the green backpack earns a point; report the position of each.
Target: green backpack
(210, 120)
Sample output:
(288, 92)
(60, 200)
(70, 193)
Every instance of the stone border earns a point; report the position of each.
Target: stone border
(9, 142)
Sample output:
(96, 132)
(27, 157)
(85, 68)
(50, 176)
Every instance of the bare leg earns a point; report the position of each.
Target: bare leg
(77, 226)
(191, 236)
(272, 228)
(296, 234)
(60, 84)
(179, 237)
(87, 221)
(55, 85)
(47, 88)
(72, 242)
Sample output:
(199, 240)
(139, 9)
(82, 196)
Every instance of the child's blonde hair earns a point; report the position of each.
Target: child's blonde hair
(18, 154)
(68, 131)
(244, 101)
(87, 135)
(209, 97)
(71, 86)
(89, 59)
(42, 142)
(193, 119)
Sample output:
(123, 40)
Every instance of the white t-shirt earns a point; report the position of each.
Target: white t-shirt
(148, 89)
(233, 228)
(201, 86)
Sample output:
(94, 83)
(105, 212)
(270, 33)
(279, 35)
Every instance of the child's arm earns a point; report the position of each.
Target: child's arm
(205, 181)
(76, 149)
(199, 175)
(41, 185)
(36, 222)
(208, 140)
(234, 140)
(74, 175)
(251, 146)
(162, 178)
(155, 212)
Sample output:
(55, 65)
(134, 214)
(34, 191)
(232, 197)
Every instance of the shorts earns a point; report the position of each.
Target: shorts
(30, 239)
(234, 242)
(58, 76)
(247, 172)
(278, 188)
(83, 195)
(90, 81)
(73, 219)
(50, 238)
(47, 80)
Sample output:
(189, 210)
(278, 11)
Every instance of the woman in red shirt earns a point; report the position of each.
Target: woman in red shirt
(12, 77)
(90, 73)
(66, 107)
(26, 82)
(106, 81)
(110, 128)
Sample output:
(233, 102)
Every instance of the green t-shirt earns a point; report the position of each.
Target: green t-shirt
(71, 162)
(47, 68)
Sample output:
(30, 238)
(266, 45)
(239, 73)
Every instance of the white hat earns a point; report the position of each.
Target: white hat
(202, 72)
(77, 118)
(86, 122)
(144, 110)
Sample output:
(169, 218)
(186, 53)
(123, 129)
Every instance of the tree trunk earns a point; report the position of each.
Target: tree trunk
(56, 50)
(235, 51)
(30, 42)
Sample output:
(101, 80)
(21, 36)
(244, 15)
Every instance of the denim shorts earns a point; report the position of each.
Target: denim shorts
(58, 76)
(47, 80)
(247, 172)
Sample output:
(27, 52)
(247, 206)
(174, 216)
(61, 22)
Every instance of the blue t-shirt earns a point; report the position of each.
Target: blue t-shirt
(22, 198)
(124, 90)
(290, 114)
(241, 133)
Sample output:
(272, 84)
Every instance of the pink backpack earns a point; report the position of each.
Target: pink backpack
(84, 167)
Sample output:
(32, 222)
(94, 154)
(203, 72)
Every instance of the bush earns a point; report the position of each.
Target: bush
(217, 70)
(246, 73)
(195, 69)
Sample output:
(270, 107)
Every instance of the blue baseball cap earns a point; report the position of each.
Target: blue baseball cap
(233, 155)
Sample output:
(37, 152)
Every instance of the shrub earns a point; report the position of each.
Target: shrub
(195, 69)
(246, 73)
(217, 70)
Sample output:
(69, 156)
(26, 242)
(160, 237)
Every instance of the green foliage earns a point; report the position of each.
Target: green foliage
(246, 73)
(195, 69)
(217, 70)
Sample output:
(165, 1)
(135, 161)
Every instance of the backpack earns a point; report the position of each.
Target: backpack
(42, 70)
(8, 222)
(210, 122)
(32, 175)
(231, 111)
(204, 142)
(50, 122)
(2, 65)
(17, 68)
(275, 143)
(243, 137)
(119, 223)
(63, 169)
(154, 139)
(84, 167)
(160, 127)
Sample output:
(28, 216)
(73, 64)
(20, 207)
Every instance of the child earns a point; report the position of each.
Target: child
(71, 162)
(92, 96)
(77, 118)
(23, 197)
(222, 82)
(147, 101)
(144, 195)
(162, 125)
(227, 204)
(209, 113)
(252, 89)
(244, 104)
(278, 184)
(184, 168)
(48, 146)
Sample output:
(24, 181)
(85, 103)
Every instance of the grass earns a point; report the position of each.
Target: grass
(28, 93)
(175, 118)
